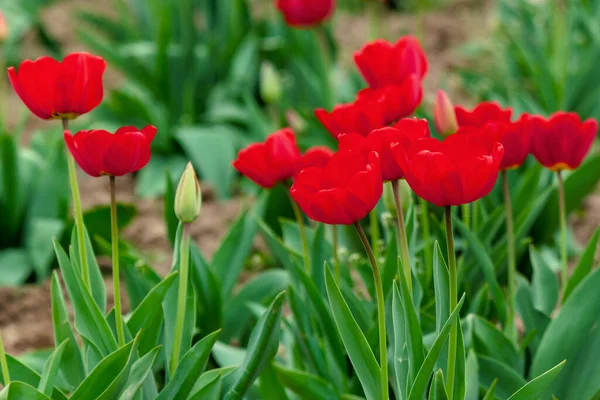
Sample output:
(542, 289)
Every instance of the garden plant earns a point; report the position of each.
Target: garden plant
(408, 257)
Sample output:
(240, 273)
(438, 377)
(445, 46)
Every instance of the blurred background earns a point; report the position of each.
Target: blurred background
(216, 75)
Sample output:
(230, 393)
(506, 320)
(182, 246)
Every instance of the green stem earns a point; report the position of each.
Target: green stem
(563, 230)
(512, 266)
(336, 258)
(375, 233)
(380, 311)
(424, 220)
(184, 262)
(374, 12)
(115, 261)
(78, 213)
(453, 300)
(4, 363)
(401, 233)
(327, 62)
(300, 221)
(466, 214)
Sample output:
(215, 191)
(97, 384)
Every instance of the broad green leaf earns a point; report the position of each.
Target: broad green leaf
(305, 385)
(472, 377)
(96, 280)
(211, 391)
(140, 370)
(22, 373)
(460, 369)
(441, 288)
(509, 380)
(400, 348)
(492, 342)
(491, 392)
(38, 243)
(171, 220)
(50, 371)
(147, 184)
(208, 293)
(108, 378)
(189, 369)
(89, 320)
(271, 387)
(437, 391)
(534, 320)
(95, 219)
(359, 351)
(536, 387)
(419, 385)
(21, 391)
(9, 184)
(584, 266)
(15, 267)
(414, 336)
(207, 378)
(544, 284)
(262, 347)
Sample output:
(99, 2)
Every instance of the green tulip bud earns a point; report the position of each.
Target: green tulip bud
(270, 83)
(188, 198)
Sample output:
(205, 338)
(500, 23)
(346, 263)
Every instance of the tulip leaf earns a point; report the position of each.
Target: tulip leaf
(51, 368)
(211, 391)
(271, 387)
(359, 351)
(208, 293)
(441, 288)
(492, 342)
(22, 373)
(15, 267)
(472, 377)
(437, 391)
(10, 185)
(39, 247)
(89, 320)
(189, 368)
(305, 385)
(544, 284)
(536, 387)
(414, 336)
(140, 370)
(20, 390)
(400, 349)
(584, 266)
(262, 347)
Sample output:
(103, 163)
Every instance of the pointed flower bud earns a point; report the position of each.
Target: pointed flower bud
(3, 28)
(444, 115)
(270, 83)
(188, 198)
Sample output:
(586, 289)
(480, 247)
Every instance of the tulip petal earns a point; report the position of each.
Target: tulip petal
(128, 152)
(34, 82)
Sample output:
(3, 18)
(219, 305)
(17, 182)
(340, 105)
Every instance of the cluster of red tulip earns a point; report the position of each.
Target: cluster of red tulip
(377, 143)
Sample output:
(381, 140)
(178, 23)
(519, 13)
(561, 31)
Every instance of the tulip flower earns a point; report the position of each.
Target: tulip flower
(60, 90)
(444, 116)
(316, 156)
(99, 152)
(360, 117)
(384, 64)
(270, 83)
(305, 13)
(482, 114)
(270, 162)
(188, 198)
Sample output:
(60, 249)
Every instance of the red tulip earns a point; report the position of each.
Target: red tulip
(407, 130)
(100, 152)
(316, 156)
(482, 114)
(270, 162)
(562, 141)
(55, 90)
(398, 101)
(342, 192)
(383, 64)
(305, 13)
(459, 170)
(359, 117)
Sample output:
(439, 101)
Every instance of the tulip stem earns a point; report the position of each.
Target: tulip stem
(375, 233)
(466, 214)
(336, 257)
(424, 217)
(373, 9)
(327, 63)
(4, 363)
(512, 266)
(401, 234)
(78, 214)
(380, 311)
(115, 262)
(452, 341)
(184, 263)
(300, 220)
(563, 230)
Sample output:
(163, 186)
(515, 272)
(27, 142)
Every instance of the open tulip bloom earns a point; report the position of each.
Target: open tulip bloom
(482, 114)
(305, 13)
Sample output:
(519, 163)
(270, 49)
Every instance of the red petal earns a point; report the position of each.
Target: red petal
(128, 152)
(35, 83)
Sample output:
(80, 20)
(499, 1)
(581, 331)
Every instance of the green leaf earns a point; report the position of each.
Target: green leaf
(584, 266)
(271, 387)
(305, 385)
(211, 391)
(95, 219)
(400, 348)
(414, 336)
(437, 391)
(72, 368)
(262, 347)
(38, 243)
(491, 392)
(22, 373)
(189, 368)
(359, 351)
(169, 209)
(147, 184)
(48, 378)
(208, 378)
(509, 380)
(419, 386)
(9, 184)
(21, 391)
(108, 378)
(441, 279)
(536, 387)
(472, 377)
(147, 318)
(492, 342)
(208, 293)
(96, 280)
(140, 370)
(14, 267)
(89, 320)
(212, 150)
(544, 283)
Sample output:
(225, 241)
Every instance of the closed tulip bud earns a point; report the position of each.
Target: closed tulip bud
(444, 116)
(270, 83)
(3, 28)
(188, 198)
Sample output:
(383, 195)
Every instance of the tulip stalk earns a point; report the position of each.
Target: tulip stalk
(374, 230)
(380, 311)
(184, 264)
(563, 230)
(336, 257)
(401, 235)
(300, 221)
(4, 363)
(452, 341)
(512, 265)
(424, 221)
(78, 213)
(115, 262)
